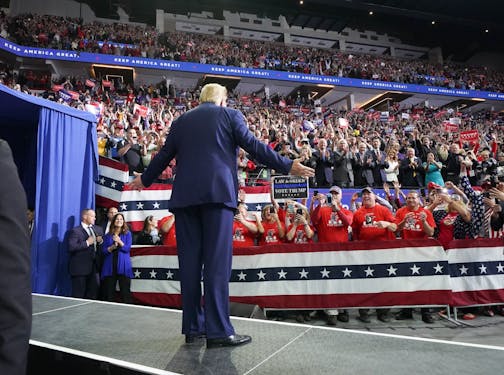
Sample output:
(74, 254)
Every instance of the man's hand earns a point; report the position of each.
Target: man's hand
(299, 169)
(496, 193)
(136, 184)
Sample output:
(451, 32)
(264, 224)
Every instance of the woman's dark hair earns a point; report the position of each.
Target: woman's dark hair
(146, 223)
(124, 228)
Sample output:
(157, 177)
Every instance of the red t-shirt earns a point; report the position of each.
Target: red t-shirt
(364, 224)
(300, 235)
(169, 239)
(446, 228)
(242, 237)
(330, 227)
(270, 235)
(413, 228)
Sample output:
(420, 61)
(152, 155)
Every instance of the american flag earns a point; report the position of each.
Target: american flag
(113, 175)
(329, 275)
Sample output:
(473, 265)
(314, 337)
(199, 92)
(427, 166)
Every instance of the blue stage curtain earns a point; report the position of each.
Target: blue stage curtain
(67, 167)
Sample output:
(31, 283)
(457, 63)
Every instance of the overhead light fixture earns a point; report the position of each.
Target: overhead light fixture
(371, 13)
(486, 30)
(301, 2)
(433, 22)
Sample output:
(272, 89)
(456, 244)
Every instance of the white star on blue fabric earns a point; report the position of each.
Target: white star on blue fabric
(140, 205)
(113, 184)
(438, 268)
(258, 207)
(102, 180)
(392, 271)
(325, 273)
(153, 274)
(156, 205)
(303, 274)
(369, 271)
(261, 275)
(124, 207)
(137, 274)
(500, 268)
(282, 274)
(483, 269)
(347, 272)
(242, 276)
(169, 274)
(415, 269)
(463, 270)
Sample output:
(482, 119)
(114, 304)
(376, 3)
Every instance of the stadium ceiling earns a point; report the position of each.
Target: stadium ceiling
(459, 26)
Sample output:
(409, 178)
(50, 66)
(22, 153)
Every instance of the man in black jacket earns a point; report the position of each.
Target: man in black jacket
(15, 284)
(83, 245)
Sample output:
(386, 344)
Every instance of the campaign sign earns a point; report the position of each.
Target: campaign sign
(290, 187)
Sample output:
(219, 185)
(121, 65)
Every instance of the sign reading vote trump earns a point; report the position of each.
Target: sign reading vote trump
(290, 187)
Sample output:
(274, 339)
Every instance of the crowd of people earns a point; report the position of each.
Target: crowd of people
(66, 33)
(414, 147)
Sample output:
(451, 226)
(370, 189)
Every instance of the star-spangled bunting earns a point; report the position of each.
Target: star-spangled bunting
(320, 277)
(321, 272)
(342, 272)
(476, 269)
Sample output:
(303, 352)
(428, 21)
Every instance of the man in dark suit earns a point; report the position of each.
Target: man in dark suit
(15, 284)
(83, 245)
(205, 142)
(324, 162)
(410, 170)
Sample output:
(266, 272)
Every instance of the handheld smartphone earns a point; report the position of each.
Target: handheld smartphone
(315, 192)
(272, 210)
(329, 199)
(299, 211)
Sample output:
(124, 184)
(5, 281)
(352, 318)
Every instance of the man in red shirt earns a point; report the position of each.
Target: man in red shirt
(332, 221)
(373, 222)
(166, 228)
(414, 222)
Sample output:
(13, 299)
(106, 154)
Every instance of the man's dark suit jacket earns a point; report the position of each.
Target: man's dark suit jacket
(83, 259)
(206, 170)
(15, 276)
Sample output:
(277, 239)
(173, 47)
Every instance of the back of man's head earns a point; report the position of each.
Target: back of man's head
(213, 92)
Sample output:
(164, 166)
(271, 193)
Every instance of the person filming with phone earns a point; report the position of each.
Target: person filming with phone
(332, 221)
(271, 229)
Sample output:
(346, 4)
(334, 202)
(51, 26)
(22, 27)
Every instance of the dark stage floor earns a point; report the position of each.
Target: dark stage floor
(148, 340)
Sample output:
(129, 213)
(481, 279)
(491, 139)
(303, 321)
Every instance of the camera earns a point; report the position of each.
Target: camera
(315, 192)
(299, 211)
(272, 210)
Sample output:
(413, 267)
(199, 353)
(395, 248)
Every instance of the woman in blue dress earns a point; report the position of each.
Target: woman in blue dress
(117, 262)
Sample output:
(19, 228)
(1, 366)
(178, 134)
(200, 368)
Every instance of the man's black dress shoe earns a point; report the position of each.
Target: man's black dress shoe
(189, 339)
(233, 340)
